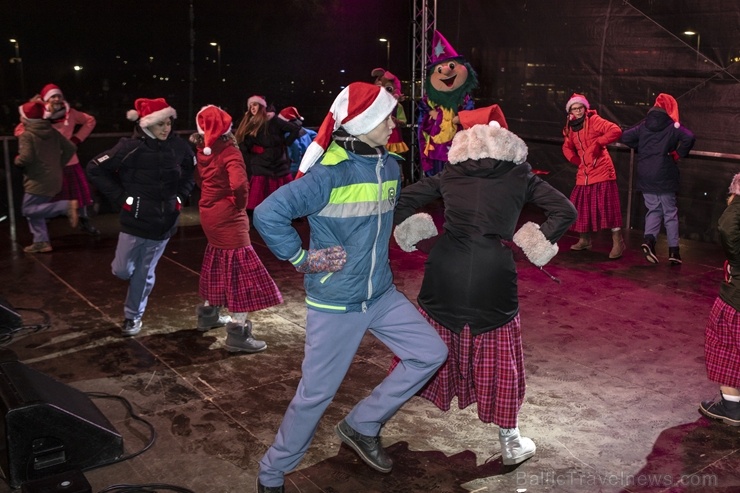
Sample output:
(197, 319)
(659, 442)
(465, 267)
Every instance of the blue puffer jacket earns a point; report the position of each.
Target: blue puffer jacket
(655, 138)
(349, 200)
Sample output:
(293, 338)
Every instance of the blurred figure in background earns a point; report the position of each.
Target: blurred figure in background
(297, 149)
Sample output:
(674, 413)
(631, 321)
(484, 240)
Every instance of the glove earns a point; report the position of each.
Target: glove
(533, 243)
(675, 156)
(330, 259)
(413, 229)
(75, 140)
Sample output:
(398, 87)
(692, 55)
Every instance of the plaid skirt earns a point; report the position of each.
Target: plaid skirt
(238, 280)
(722, 345)
(598, 207)
(487, 369)
(260, 187)
(75, 186)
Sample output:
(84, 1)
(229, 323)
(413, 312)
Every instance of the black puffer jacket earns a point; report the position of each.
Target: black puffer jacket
(729, 232)
(148, 178)
(655, 138)
(470, 275)
(266, 154)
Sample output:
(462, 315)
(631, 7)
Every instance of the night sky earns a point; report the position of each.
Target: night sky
(290, 51)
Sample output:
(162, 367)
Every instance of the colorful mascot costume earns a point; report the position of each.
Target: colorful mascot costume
(392, 84)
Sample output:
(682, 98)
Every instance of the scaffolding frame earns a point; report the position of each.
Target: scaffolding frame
(425, 23)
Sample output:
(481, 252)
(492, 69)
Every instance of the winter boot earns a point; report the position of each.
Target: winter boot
(648, 249)
(209, 317)
(87, 227)
(514, 447)
(584, 243)
(240, 338)
(674, 257)
(617, 246)
(38, 247)
(722, 410)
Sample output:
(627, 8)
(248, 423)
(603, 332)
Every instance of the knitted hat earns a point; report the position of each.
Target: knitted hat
(359, 108)
(670, 105)
(290, 113)
(257, 99)
(212, 123)
(150, 111)
(735, 185)
(441, 50)
(33, 110)
(576, 98)
(50, 90)
(490, 115)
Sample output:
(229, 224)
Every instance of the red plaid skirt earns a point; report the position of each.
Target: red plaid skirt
(260, 187)
(487, 369)
(75, 186)
(722, 345)
(238, 280)
(598, 207)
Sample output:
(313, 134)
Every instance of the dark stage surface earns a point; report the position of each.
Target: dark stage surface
(614, 359)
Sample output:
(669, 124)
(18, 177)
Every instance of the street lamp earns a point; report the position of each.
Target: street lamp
(218, 57)
(388, 52)
(698, 41)
(17, 59)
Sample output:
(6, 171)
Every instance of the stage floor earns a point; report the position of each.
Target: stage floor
(614, 359)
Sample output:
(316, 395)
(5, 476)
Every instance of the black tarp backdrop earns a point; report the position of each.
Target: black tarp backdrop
(532, 55)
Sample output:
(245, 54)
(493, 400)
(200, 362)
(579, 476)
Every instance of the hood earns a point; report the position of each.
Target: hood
(485, 141)
(657, 119)
(40, 128)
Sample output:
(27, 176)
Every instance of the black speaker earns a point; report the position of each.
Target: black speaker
(47, 427)
(9, 318)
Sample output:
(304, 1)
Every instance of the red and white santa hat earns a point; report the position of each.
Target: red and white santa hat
(290, 113)
(489, 115)
(670, 105)
(150, 111)
(50, 90)
(576, 98)
(33, 110)
(257, 99)
(212, 123)
(359, 108)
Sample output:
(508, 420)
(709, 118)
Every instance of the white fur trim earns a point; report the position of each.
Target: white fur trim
(414, 229)
(312, 154)
(157, 116)
(735, 185)
(574, 100)
(132, 115)
(379, 110)
(52, 92)
(258, 100)
(487, 141)
(535, 246)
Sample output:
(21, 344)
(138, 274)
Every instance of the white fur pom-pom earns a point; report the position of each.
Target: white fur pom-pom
(535, 246)
(207, 151)
(676, 124)
(132, 115)
(414, 229)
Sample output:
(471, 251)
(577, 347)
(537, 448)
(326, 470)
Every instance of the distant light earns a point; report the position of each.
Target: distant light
(342, 71)
(383, 40)
(213, 43)
(689, 33)
(77, 68)
(12, 40)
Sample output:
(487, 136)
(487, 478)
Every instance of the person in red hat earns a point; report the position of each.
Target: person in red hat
(76, 126)
(263, 140)
(148, 176)
(595, 195)
(348, 192)
(42, 154)
(232, 274)
(660, 141)
(298, 147)
(469, 291)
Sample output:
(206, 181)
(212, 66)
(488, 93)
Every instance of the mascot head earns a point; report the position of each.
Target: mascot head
(389, 82)
(449, 76)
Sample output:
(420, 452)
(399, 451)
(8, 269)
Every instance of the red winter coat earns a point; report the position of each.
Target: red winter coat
(222, 178)
(586, 149)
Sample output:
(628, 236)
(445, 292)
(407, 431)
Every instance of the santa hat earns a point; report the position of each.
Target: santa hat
(670, 105)
(33, 110)
(290, 113)
(735, 185)
(50, 90)
(212, 123)
(359, 108)
(257, 99)
(150, 111)
(441, 50)
(490, 115)
(576, 98)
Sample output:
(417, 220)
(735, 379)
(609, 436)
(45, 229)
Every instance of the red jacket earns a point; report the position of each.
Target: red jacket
(586, 149)
(222, 178)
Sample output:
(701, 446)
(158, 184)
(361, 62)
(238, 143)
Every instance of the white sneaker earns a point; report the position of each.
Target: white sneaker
(515, 448)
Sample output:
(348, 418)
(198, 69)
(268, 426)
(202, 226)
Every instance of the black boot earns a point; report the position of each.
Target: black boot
(673, 256)
(648, 249)
(725, 411)
(87, 227)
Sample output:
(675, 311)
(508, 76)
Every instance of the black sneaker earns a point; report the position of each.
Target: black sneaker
(367, 447)
(268, 489)
(726, 411)
(674, 257)
(648, 249)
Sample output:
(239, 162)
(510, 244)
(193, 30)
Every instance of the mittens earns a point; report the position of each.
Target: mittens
(414, 229)
(329, 259)
(535, 246)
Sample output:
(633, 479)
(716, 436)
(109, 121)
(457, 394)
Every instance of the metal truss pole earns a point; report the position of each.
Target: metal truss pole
(425, 22)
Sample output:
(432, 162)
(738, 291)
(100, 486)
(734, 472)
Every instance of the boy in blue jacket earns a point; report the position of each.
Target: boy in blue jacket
(349, 198)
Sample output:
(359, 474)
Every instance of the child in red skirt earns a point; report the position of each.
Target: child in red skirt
(722, 333)
(232, 275)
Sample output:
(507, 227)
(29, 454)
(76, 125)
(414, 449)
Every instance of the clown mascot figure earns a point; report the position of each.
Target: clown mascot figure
(449, 81)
